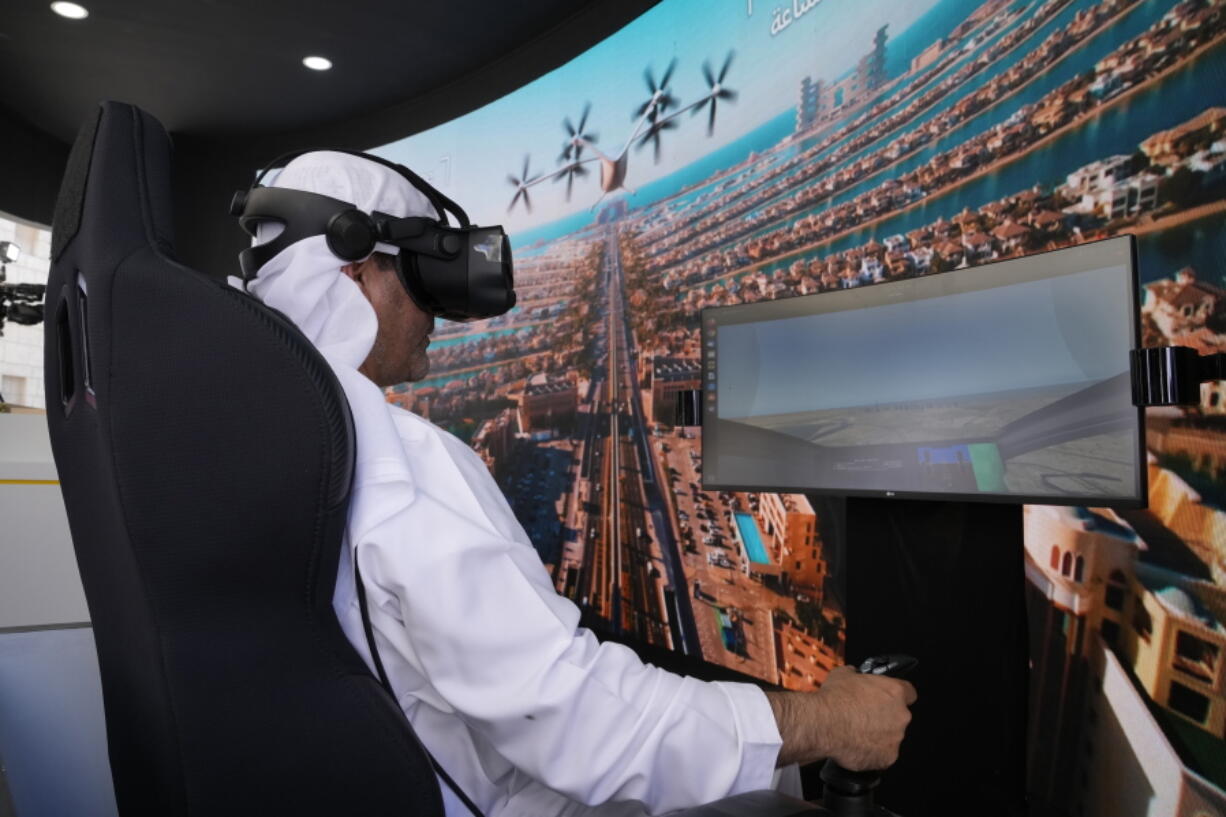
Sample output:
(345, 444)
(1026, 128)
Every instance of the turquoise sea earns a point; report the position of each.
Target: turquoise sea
(442, 343)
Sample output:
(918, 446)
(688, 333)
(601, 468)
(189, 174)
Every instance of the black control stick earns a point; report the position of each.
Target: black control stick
(850, 794)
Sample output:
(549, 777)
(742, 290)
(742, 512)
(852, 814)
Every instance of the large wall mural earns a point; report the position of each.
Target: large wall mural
(709, 156)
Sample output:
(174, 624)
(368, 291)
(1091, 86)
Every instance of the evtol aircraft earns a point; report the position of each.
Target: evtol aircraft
(651, 119)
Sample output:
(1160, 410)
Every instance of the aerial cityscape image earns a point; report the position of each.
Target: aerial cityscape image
(710, 155)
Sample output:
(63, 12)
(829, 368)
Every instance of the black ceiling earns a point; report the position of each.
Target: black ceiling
(233, 68)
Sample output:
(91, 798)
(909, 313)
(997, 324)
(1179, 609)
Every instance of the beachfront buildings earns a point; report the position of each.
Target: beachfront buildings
(790, 525)
(668, 376)
(1128, 643)
(1101, 174)
(548, 403)
(494, 441)
(1182, 306)
(818, 97)
(777, 537)
(803, 660)
(1171, 147)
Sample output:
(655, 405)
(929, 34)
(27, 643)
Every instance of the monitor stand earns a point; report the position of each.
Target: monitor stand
(944, 582)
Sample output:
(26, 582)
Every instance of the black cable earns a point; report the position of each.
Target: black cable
(382, 673)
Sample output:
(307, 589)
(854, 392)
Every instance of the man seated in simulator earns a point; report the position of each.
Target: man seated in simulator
(526, 711)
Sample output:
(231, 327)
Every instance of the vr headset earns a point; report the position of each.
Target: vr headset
(460, 273)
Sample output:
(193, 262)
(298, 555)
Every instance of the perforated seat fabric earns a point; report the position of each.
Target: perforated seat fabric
(205, 453)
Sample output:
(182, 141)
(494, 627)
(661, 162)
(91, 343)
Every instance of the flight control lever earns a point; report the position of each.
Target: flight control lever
(848, 793)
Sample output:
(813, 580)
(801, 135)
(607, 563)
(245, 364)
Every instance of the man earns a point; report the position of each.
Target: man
(525, 710)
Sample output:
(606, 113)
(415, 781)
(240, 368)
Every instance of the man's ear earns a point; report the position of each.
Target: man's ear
(356, 271)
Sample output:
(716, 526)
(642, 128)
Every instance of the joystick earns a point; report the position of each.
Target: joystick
(848, 793)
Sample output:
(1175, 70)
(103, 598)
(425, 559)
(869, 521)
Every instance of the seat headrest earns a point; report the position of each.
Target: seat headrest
(136, 179)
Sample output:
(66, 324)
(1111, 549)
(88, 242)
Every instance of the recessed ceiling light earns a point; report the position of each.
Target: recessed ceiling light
(317, 63)
(70, 10)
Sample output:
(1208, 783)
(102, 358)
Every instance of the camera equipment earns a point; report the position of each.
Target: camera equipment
(460, 273)
(19, 303)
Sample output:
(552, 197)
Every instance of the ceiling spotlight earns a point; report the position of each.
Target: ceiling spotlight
(9, 252)
(317, 63)
(70, 10)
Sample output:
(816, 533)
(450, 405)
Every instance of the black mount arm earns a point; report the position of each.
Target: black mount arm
(1171, 375)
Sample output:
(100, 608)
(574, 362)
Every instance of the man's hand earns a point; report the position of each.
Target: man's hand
(857, 720)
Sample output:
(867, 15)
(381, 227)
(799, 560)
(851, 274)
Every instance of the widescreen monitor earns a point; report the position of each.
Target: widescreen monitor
(1006, 382)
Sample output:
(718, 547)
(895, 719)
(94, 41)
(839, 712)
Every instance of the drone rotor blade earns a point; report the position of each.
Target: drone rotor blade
(525, 174)
(706, 72)
(587, 109)
(668, 73)
(711, 118)
(514, 182)
(570, 183)
(650, 80)
(570, 129)
(723, 72)
(728, 94)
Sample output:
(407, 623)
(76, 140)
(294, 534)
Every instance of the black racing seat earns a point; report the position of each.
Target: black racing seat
(205, 452)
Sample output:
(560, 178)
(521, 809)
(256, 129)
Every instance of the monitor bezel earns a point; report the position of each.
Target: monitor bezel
(1141, 500)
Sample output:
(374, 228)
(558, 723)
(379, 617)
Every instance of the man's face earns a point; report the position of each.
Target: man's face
(399, 353)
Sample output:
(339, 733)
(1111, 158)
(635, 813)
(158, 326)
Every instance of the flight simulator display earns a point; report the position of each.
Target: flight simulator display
(1007, 382)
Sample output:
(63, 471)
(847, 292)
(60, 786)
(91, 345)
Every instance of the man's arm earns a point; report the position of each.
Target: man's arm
(858, 720)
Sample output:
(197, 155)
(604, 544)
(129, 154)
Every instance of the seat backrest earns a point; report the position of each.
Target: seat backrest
(205, 451)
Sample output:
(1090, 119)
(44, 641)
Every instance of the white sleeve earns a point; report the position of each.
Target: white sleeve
(589, 720)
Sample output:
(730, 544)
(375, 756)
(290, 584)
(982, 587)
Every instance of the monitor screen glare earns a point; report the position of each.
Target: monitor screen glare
(1005, 382)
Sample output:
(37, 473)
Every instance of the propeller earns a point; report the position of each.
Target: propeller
(660, 99)
(718, 91)
(573, 146)
(521, 187)
(572, 149)
(653, 135)
(570, 172)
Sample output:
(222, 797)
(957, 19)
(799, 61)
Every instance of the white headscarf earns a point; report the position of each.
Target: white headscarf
(305, 283)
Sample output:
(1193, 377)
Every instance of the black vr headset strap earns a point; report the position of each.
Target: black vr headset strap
(442, 205)
(302, 215)
(374, 654)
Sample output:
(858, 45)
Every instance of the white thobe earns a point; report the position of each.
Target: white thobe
(527, 711)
